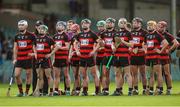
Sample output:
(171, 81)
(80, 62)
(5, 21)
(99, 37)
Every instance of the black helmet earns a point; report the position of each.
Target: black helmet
(39, 22)
(138, 19)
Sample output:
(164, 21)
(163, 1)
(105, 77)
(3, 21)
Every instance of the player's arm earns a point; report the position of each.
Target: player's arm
(15, 52)
(144, 47)
(70, 52)
(54, 48)
(96, 44)
(128, 44)
(141, 49)
(164, 46)
(76, 43)
(66, 47)
(174, 46)
(101, 43)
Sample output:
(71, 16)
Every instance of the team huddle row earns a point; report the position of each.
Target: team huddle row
(130, 50)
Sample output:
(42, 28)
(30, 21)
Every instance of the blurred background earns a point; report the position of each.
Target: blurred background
(11, 11)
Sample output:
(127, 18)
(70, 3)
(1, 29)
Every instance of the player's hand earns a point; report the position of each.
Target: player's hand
(14, 61)
(158, 51)
(135, 50)
(48, 56)
(91, 53)
(113, 48)
(132, 45)
(35, 55)
(31, 54)
(168, 51)
(78, 53)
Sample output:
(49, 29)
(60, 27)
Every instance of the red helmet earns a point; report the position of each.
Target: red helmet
(75, 27)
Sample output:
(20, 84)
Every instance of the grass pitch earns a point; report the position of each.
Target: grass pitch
(140, 100)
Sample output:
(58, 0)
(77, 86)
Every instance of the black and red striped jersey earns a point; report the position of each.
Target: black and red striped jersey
(87, 41)
(100, 53)
(43, 46)
(153, 41)
(107, 36)
(138, 38)
(25, 44)
(61, 39)
(169, 38)
(123, 50)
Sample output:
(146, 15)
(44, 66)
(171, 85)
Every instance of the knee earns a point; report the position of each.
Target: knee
(17, 76)
(84, 76)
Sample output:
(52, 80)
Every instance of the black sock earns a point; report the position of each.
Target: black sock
(20, 88)
(103, 89)
(130, 89)
(118, 89)
(151, 88)
(169, 88)
(27, 88)
(56, 89)
(144, 87)
(85, 89)
(78, 88)
(40, 90)
(51, 89)
(107, 89)
(68, 89)
(97, 89)
(136, 87)
(161, 88)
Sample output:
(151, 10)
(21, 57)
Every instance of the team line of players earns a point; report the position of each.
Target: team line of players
(129, 50)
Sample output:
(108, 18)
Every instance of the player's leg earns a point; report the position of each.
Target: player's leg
(105, 77)
(50, 80)
(84, 81)
(34, 75)
(83, 71)
(143, 76)
(39, 85)
(19, 81)
(56, 72)
(77, 84)
(134, 71)
(158, 70)
(129, 79)
(28, 80)
(67, 79)
(118, 80)
(151, 81)
(96, 79)
(168, 77)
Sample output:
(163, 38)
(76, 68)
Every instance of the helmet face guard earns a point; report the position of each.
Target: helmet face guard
(122, 22)
(151, 25)
(60, 26)
(86, 21)
(101, 23)
(22, 25)
(110, 23)
(85, 24)
(43, 29)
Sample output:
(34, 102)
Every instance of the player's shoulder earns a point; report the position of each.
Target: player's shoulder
(30, 33)
(49, 37)
(168, 34)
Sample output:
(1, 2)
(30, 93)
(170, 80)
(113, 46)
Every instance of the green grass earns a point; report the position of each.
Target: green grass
(172, 100)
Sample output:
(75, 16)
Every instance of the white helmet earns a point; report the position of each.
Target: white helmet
(23, 22)
(122, 20)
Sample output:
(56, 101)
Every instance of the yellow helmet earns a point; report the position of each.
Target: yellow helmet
(151, 23)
